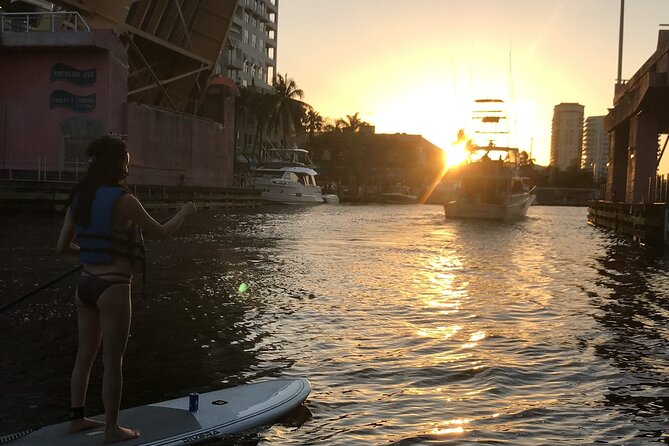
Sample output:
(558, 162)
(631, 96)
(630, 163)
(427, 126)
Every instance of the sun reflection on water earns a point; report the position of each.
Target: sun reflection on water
(439, 332)
(451, 427)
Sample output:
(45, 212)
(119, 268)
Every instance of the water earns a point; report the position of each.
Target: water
(411, 328)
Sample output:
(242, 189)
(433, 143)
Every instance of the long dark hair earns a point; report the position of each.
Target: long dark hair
(105, 168)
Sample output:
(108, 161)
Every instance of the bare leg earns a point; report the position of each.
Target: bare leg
(89, 344)
(115, 313)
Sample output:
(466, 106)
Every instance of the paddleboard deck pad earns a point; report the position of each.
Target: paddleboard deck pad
(170, 423)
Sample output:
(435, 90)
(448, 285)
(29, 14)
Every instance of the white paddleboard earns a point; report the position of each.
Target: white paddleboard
(170, 423)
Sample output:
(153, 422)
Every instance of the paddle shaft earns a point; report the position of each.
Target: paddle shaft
(50, 282)
(41, 287)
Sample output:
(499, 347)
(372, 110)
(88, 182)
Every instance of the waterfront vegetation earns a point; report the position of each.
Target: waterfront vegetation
(347, 151)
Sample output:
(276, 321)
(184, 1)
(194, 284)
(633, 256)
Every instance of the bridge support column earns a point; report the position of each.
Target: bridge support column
(642, 161)
(617, 169)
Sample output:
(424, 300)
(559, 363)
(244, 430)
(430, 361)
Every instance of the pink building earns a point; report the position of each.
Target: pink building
(59, 90)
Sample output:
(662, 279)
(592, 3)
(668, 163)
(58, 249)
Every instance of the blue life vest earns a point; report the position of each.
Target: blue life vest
(98, 243)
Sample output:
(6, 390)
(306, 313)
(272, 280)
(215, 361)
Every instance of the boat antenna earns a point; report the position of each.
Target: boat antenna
(531, 146)
(512, 92)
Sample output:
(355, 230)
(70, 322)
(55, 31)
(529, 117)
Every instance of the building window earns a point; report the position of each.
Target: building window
(246, 17)
(245, 36)
(270, 52)
(270, 74)
(253, 40)
(261, 45)
(271, 34)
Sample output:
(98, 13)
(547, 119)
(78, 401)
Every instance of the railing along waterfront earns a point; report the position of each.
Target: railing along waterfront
(658, 189)
(68, 173)
(42, 22)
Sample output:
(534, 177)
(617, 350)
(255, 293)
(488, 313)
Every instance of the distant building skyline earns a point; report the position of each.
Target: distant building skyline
(567, 135)
(595, 147)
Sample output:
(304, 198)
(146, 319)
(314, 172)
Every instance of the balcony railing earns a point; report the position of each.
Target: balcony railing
(23, 22)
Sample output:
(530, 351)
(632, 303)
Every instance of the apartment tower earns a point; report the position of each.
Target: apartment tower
(249, 53)
(248, 58)
(595, 147)
(567, 135)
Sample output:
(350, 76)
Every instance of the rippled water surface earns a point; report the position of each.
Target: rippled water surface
(411, 328)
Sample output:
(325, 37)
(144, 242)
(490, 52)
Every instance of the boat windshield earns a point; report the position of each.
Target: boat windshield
(298, 177)
(298, 157)
(268, 173)
(505, 154)
(290, 176)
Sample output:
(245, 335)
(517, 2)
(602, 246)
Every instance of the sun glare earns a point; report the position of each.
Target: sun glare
(455, 154)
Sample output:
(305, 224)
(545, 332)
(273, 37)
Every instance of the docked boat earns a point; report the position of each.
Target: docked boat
(489, 184)
(398, 194)
(286, 176)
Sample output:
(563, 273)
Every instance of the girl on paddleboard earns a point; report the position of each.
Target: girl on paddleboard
(103, 226)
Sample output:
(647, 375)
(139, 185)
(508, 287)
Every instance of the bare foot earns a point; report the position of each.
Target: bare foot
(84, 423)
(121, 434)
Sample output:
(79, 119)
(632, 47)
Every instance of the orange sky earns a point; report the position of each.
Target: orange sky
(416, 66)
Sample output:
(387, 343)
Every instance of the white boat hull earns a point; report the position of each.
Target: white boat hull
(331, 198)
(391, 198)
(291, 192)
(514, 208)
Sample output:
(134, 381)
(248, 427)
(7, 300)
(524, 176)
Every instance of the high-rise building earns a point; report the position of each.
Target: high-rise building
(595, 147)
(567, 135)
(249, 53)
(248, 58)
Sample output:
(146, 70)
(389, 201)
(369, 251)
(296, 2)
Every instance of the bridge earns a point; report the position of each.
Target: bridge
(639, 115)
(172, 45)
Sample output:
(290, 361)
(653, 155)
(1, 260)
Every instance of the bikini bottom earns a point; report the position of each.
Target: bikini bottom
(91, 286)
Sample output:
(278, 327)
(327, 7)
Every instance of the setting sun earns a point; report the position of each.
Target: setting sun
(455, 154)
(418, 73)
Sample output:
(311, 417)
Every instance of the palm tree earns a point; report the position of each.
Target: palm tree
(332, 125)
(313, 122)
(352, 123)
(261, 106)
(289, 107)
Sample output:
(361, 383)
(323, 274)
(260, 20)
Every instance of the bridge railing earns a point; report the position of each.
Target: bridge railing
(42, 22)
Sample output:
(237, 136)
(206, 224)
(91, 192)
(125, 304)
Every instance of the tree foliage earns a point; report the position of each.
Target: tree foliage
(280, 111)
(290, 109)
